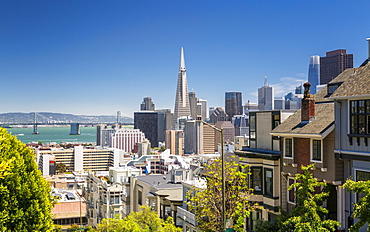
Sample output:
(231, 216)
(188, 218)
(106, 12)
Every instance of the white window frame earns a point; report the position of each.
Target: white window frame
(311, 151)
(287, 184)
(284, 147)
(355, 175)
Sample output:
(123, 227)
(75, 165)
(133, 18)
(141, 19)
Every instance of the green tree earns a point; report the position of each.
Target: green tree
(25, 200)
(308, 215)
(143, 221)
(361, 208)
(61, 168)
(206, 203)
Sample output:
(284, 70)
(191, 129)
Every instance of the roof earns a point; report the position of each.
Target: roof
(354, 82)
(158, 181)
(324, 118)
(357, 85)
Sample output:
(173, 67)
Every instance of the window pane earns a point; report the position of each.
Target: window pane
(291, 194)
(361, 124)
(368, 106)
(252, 123)
(361, 106)
(353, 124)
(353, 107)
(316, 150)
(288, 147)
(268, 182)
(256, 179)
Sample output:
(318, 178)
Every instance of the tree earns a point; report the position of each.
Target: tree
(61, 168)
(361, 208)
(206, 203)
(143, 221)
(25, 200)
(308, 215)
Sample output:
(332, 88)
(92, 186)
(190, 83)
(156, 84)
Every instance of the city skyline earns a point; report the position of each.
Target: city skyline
(100, 58)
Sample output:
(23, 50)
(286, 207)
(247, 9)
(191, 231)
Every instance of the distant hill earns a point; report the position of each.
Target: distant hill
(46, 117)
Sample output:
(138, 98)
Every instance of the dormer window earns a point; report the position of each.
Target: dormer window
(331, 87)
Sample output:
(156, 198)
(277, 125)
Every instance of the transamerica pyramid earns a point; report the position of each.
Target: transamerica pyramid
(182, 107)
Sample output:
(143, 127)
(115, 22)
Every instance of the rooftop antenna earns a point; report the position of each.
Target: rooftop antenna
(265, 80)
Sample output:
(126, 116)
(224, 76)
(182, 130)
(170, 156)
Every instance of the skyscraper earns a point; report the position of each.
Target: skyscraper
(314, 73)
(147, 104)
(266, 97)
(334, 64)
(182, 107)
(233, 104)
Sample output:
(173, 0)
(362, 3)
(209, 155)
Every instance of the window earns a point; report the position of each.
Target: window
(316, 150)
(256, 180)
(360, 117)
(139, 197)
(291, 193)
(268, 182)
(362, 176)
(252, 127)
(288, 148)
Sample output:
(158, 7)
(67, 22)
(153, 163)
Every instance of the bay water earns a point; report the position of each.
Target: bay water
(54, 135)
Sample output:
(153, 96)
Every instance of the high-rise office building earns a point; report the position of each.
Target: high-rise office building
(147, 104)
(126, 139)
(193, 105)
(266, 97)
(153, 124)
(218, 114)
(334, 64)
(175, 141)
(182, 107)
(314, 73)
(233, 104)
(202, 109)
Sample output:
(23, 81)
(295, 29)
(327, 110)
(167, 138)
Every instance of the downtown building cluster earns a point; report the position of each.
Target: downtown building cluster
(161, 158)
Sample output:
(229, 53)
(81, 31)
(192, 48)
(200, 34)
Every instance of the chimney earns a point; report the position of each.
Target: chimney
(308, 104)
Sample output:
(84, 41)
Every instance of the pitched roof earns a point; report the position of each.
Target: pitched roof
(324, 118)
(357, 82)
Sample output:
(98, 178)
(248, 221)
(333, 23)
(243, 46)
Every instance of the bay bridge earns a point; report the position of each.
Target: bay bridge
(74, 126)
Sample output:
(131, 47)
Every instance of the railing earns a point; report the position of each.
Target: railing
(186, 216)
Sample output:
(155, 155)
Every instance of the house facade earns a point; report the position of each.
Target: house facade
(352, 132)
(263, 157)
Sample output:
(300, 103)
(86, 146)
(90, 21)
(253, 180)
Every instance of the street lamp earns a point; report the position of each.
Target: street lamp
(222, 171)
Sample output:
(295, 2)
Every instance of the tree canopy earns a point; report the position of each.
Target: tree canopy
(206, 203)
(361, 208)
(25, 200)
(308, 215)
(143, 221)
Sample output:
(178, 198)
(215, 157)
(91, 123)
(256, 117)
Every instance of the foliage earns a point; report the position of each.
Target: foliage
(263, 226)
(143, 221)
(206, 203)
(61, 168)
(308, 215)
(25, 200)
(361, 208)
(73, 228)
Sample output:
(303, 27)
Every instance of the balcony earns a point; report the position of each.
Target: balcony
(186, 216)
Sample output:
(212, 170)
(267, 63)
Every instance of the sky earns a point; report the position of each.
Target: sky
(100, 57)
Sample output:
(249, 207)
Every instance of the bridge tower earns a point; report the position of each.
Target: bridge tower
(118, 117)
(35, 131)
(75, 129)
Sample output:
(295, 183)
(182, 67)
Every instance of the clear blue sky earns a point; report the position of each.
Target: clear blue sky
(98, 57)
